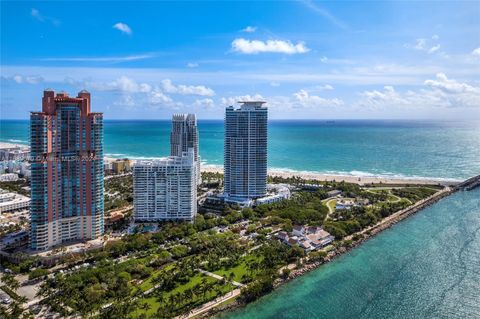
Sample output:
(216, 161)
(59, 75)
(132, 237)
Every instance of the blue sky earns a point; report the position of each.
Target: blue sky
(307, 59)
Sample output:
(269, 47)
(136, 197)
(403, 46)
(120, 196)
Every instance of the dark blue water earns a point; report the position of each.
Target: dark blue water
(391, 148)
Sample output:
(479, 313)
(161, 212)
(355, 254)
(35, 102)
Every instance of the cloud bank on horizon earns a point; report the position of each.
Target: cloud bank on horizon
(306, 59)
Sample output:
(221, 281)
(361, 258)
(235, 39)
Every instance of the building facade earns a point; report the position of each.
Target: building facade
(184, 135)
(165, 189)
(66, 171)
(245, 152)
(12, 202)
(120, 166)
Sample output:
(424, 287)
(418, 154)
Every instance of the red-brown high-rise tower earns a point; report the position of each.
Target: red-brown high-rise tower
(67, 171)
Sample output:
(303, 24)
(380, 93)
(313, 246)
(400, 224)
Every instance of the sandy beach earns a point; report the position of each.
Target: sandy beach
(346, 178)
(357, 179)
(12, 145)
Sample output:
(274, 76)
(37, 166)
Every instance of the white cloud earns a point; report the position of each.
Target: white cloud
(476, 52)
(205, 103)
(326, 87)
(192, 64)
(451, 86)
(439, 92)
(304, 99)
(434, 49)
(425, 45)
(232, 100)
(420, 44)
(169, 87)
(126, 101)
(301, 99)
(156, 97)
(40, 17)
(387, 97)
(121, 84)
(103, 59)
(249, 29)
(21, 79)
(18, 78)
(324, 59)
(124, 28)
(273, 46)
(274, 84)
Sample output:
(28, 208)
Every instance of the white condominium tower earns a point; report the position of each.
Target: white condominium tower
(165, 189)
(184, 135)
(246, 150)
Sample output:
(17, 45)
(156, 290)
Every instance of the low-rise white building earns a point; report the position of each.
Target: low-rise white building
(11, 152)
(11, 202)
(9, 177)
(307, 237)
(165, 189)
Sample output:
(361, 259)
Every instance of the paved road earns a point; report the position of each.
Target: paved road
(330, 209)
(209, 305)
(211, 274)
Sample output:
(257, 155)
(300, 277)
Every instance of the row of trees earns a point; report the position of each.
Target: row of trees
(118, 192)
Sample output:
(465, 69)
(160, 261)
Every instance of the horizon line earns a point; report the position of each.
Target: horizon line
(286, 119)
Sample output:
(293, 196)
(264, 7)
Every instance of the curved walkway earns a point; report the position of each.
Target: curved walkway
(211, 274)
(209, 305)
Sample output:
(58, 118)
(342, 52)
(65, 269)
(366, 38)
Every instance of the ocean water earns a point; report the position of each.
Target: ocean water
(381, 148)
(427, 266)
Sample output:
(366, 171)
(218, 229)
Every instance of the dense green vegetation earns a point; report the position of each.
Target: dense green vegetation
(347, 222)
(414, 193)
(16, 186)
(302, 208)
(171, 271)
(157, 275)
(118, 192)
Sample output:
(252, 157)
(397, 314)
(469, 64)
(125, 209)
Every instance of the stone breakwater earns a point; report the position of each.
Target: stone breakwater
(364, 235)
(368, 233)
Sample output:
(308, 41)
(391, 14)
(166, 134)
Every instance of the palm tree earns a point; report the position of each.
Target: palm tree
(231, 276)
(146, 306)
(10, 281)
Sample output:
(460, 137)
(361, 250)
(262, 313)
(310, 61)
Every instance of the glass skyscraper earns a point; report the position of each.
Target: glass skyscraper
(245, 157)
(184, 135)
(66, 142)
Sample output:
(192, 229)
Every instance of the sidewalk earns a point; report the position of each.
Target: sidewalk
(209, 305)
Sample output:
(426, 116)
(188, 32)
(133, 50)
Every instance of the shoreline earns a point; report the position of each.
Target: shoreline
(354, 179)
(361, 178)
(366, 234)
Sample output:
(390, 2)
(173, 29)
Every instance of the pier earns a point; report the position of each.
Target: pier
(468, 184)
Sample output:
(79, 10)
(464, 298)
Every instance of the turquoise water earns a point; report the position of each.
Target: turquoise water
(427, 266)
(391, 148)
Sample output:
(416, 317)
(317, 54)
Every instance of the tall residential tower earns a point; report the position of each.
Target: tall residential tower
(184, 135)
(245, 157)
(66, 141)
(165, 189)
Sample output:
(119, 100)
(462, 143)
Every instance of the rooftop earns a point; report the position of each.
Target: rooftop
(252, 102)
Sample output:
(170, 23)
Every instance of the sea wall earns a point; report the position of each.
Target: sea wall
(365, 235)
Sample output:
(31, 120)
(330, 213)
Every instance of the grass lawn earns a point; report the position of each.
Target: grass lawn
(378, 191)
(192, 303)
(393, 198)
(240, 270)
(331, 203)
(147, 284)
